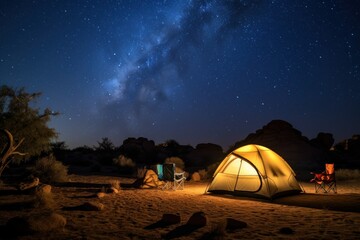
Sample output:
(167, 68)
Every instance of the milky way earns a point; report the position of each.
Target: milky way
(156, 71)
(193, 71)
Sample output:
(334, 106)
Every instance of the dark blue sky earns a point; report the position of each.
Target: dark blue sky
(193, 71)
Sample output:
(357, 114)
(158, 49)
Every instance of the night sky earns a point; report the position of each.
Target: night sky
(192, 71)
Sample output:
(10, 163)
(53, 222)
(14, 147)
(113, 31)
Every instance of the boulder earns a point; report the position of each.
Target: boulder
(196, 177)
(281, 137)
(112, 190)
(43, 189)
(197, 220)
(166, 220)
(286, 231)
(100, 194)
(233, 224)
(91, 206)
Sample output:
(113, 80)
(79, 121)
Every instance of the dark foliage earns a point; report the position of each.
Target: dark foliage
(19, 117)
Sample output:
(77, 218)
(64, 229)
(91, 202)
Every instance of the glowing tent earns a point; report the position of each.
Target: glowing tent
(254, 170)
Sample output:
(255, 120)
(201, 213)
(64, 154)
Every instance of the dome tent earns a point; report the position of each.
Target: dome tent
(254, 171)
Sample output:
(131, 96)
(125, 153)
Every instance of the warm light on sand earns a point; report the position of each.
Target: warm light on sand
(126, 214)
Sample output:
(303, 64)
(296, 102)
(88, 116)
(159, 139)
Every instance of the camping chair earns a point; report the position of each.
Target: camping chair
(173, 180)
(325, 181)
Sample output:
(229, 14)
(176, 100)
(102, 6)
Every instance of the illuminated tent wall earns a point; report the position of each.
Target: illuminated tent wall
(254, 170)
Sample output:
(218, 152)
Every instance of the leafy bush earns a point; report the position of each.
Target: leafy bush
(204, 174)
(211, 169)
(125, 165)
(179, 163)
(19, 117)
(49, 170)
(347, 174)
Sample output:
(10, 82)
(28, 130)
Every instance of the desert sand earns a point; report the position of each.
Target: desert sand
(129, 213)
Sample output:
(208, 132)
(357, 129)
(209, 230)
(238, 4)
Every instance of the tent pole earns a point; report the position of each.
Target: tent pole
(237, 176)
(266, 176)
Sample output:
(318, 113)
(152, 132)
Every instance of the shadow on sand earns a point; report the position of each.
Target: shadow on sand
(17, 206)
(333, 202)
(180, 231)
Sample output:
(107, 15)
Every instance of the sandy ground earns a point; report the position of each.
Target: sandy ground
(127, 214)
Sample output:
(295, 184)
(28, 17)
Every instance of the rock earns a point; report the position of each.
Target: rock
(91, 206)
(203, 154)
(44, 222)
(196, 177)
(281, 137)
(43, 189)
(233, 224)
(198, 219)
(323, 140)
(166, 220)
(100, 194)
(113, 190)
(286, 230)
(28, 185)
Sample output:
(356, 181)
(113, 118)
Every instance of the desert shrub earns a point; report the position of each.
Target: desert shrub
(347, 174)
(211, 169)
(95, 168)
(46, 221)
(49, 170)
(203, 174)
(44, 200)
(81, 162)
(124, 164)
(178, 162)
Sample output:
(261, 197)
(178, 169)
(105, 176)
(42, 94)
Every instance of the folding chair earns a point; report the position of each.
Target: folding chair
(173, 180)
(326, 180)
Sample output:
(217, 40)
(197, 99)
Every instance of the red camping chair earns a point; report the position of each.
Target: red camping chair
(325, 181)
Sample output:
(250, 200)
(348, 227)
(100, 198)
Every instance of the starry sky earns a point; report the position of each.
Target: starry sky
(192, 71)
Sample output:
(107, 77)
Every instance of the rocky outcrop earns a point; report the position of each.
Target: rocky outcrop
(281, 137)
(204, 155)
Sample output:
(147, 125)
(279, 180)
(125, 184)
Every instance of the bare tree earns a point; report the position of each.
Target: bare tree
(9, 150)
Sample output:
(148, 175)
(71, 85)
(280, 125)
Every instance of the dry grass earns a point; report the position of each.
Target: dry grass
(115, 183)
(49, 170)
(44, 200)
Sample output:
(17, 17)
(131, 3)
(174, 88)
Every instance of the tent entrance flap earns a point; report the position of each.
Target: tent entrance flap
(246, 176)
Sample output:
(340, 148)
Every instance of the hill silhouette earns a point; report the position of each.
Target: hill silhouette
(302, 154)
